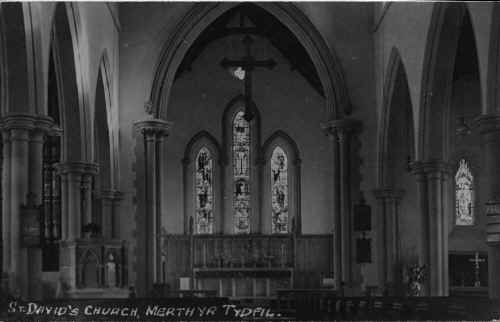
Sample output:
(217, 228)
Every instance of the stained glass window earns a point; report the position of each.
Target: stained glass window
(464, 195)
(204, 220)
(279, 191)
(241, 173)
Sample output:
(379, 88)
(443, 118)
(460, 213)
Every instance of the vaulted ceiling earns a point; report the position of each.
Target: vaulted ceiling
(254, 20)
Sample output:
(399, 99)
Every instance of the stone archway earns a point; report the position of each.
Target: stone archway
(201, 15)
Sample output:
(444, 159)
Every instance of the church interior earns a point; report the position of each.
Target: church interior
(250, 150)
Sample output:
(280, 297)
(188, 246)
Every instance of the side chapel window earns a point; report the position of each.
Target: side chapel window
(464, 195)
(241, 173)
(279, 191)
(204, 219)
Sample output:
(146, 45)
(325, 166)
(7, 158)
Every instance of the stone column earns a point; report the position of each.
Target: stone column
(489, 126)
(432, 179)
(342, 133)
(110, 204)
(152, 131)
(22, 148)
(43, 127)
(389, 240)
(74, 175)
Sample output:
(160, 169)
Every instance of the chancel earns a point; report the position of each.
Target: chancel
(258, 152)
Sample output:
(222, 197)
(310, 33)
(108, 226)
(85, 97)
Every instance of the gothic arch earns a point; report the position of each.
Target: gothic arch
(439, 62)
(281, 139)
(15, 77)
(226, 119)
(203, 14)
(102, 138)
(202, 139)
(69, 84)
(493, 94)
(396, 77)
(281, 135)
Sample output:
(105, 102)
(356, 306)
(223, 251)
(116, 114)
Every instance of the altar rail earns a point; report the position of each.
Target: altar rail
(310, 256)
(320, 305)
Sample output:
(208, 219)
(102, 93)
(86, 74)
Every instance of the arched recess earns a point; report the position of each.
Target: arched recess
(15, 78)
(202, 140)
(234, 106)
(396, 123)
(70, 95)
(435, 122)
(493, 94)
(202, 15)
(283, 141)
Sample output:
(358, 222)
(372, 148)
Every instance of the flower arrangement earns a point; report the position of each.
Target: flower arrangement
(416, 278)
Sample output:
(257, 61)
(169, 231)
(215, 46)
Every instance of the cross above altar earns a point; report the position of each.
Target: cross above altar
(476, 260)
(247, 64)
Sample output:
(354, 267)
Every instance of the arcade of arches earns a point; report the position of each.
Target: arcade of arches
(241, 149)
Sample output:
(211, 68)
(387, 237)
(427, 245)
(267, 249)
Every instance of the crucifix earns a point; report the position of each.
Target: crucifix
(247, 64)
(476, 260)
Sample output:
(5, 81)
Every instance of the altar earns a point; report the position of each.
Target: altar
(250, 266)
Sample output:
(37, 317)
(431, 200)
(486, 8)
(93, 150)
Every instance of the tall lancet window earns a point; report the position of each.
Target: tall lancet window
(241, 174)
(279, 191)
(464, 195)
(204, 178)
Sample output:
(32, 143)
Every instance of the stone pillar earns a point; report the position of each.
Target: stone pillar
(110, 203)
(75, 176)
(489, 126)
(389, 240)
(342, 133)
(432, 179)
(77, 209)
(153, 132)
(44, 126)
(22, 154)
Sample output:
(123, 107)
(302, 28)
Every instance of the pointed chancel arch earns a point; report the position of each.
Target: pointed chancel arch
(203, 14)
(280, 209)
(203, 211)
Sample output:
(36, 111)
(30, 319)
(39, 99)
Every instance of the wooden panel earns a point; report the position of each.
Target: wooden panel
(313, 260)
(177, 256)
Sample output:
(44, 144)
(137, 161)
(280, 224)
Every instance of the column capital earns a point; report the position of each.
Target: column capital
(389, 193)
(431, 167)
(153, 127)
(341, 126)
(79, 167)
